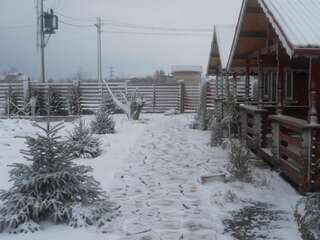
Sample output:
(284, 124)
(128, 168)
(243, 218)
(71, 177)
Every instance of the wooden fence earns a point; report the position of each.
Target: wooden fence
(159, 97)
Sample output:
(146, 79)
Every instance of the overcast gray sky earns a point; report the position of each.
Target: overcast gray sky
(74, 48)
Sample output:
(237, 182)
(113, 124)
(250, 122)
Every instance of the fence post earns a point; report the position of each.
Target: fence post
(154, 99)
(182, 95)
(203, 105)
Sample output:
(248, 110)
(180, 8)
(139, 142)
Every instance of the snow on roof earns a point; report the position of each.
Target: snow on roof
(297, 22)
(224, 35)
(186, 68)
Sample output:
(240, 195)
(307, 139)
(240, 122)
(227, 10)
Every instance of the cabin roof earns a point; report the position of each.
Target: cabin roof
(220, 47)
(297, 22)
(294, 22)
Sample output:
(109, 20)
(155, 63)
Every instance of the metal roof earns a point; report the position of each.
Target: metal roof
(297, 22)
(186, 68)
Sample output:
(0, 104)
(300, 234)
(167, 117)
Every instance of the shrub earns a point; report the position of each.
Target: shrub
(307, 216)
(239, 162)
(82, 142)
(103, 123)
(49, 187)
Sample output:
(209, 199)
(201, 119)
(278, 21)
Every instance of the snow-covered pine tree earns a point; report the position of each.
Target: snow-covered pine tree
(103, 123)
(51, 187)
(107, 104)
(82, 143)
(74, 104)
(56, 103)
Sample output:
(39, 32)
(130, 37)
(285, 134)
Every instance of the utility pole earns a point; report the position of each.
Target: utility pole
(99, 56)
(40, 39)
(47, 24)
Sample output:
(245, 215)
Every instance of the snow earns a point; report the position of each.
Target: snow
(295, 21)
(151, 168)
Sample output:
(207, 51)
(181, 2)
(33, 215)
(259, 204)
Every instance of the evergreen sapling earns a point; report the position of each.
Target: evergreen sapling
(103, 123)
(51, 187)
(82, 142)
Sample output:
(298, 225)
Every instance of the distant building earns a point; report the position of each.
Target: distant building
(13, 77)
(189, 73)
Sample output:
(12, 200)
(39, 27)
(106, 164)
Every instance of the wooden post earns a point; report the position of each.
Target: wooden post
(260, 81)
(235, 86)
(153, 98)
(247, 82)
(313, 91)
(203, 105)
(182, 96)
(280, 81)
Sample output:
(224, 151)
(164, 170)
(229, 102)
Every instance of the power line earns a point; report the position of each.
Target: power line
(157, 28)
(17, 26)
(75, 25)
(158, 33)
(137, 26)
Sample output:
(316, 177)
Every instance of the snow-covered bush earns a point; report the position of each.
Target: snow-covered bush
(239, 162)
(216, 133)
(82, 143)
(136, 103)
(307, 215)
(49, 187)
(102, 123)
(55, 104)
(74, 104)
(230, 121)
(107, 104)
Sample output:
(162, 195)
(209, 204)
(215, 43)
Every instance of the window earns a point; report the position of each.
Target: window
(288, 88)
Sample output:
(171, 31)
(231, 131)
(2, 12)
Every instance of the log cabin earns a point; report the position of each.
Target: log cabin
(278, 41)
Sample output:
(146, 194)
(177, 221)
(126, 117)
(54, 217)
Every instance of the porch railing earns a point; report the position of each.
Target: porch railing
(296, 151)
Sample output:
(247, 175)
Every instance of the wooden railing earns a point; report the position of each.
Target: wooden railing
(296, 151)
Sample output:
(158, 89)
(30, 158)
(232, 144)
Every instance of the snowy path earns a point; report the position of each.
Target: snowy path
(158, 189)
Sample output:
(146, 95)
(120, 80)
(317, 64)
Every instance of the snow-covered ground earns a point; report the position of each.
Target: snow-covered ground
(151, 169)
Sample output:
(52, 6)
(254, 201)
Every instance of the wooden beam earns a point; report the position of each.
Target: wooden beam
(253, 34)
(313, 90)
(254, 10)
(280, 80)
(260, 81)
(247, 82)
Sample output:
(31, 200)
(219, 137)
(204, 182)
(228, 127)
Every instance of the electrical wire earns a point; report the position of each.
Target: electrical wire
(17, 26)
(75, 25)
(137, 26)
(157, 33)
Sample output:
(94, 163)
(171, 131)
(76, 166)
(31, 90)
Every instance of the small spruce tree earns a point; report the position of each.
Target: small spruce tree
(82, 143)
(74, 103)
(107, 104)
(50, 187)
(55, 103)
(103, 123)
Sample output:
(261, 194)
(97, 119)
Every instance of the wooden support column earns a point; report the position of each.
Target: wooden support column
(247, 82)
(234, 86)
(280, 81)
(314, 65)
(260, 81)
